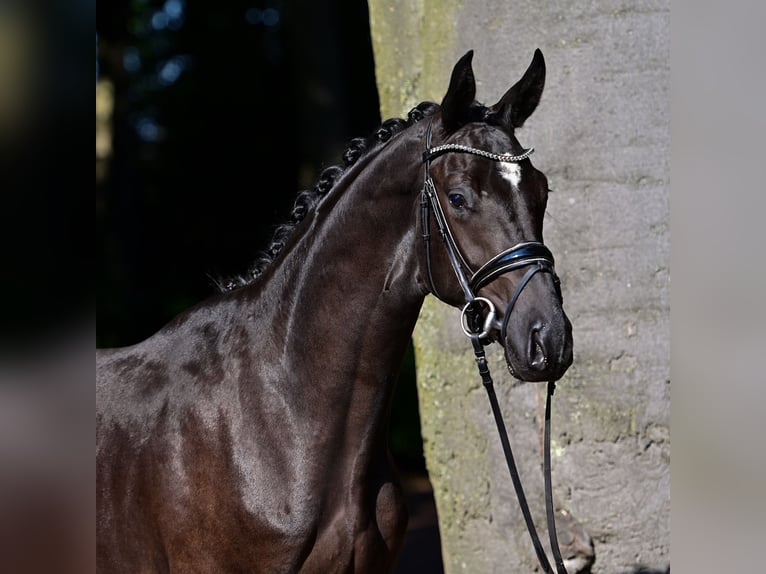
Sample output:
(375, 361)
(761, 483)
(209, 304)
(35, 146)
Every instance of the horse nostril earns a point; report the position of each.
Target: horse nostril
(537, 358)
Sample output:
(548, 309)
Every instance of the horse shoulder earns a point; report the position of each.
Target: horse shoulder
(181, 459)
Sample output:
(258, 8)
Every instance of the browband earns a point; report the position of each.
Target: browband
(436, 151)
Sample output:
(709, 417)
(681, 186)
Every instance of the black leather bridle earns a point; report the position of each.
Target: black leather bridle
(538, 258)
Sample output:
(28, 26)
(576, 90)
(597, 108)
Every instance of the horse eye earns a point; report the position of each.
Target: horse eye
(457, 200)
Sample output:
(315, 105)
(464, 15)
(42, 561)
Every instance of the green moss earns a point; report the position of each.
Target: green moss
(413, 47)
(494, 23)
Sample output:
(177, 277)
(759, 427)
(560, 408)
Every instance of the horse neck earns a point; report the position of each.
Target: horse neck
(359, 263)
(348, 291)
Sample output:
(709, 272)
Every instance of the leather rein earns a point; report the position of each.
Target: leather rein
(538, 258)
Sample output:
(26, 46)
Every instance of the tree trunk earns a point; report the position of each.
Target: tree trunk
(601, 135)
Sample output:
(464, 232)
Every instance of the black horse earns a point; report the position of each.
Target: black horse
(249, 434)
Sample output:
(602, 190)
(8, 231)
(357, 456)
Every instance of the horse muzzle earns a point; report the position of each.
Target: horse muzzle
(534, 331)
(540, 352)
(536, 337)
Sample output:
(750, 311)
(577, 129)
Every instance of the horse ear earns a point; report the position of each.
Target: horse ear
(520, 101)
(460, 94)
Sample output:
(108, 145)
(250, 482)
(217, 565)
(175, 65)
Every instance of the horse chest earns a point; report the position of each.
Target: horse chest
(364, 537)
(288, 517)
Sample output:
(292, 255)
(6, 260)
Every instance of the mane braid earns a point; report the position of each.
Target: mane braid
(307, 200)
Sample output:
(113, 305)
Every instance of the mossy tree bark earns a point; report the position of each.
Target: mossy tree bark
(601, 135)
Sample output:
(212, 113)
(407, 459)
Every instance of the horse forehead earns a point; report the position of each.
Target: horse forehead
(501, 142)
(499, 175)
(510, 172)
(490, 138)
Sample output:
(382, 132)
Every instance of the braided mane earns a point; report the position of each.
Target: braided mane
(306, 200)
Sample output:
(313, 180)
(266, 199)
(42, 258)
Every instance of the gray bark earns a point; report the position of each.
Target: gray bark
(601, 134)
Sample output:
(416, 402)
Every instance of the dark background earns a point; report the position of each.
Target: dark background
(222, 113)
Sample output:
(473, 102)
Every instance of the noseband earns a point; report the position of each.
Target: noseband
(538, 258)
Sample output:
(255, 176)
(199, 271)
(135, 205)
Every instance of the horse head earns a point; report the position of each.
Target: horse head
(489, 202)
